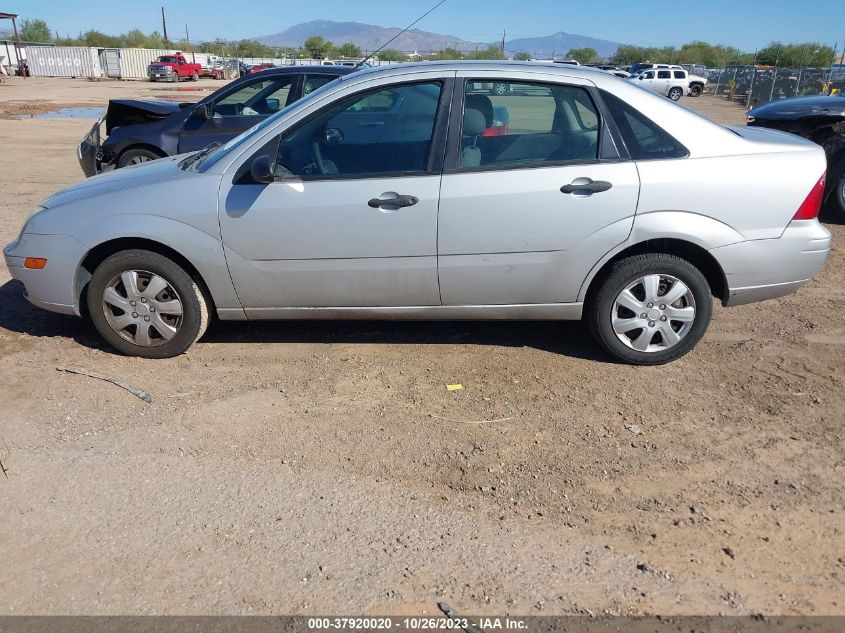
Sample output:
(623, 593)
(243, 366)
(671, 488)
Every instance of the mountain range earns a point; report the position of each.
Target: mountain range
(370, 37)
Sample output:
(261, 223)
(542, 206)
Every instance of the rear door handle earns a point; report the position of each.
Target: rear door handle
(396, 201)
(586, 185)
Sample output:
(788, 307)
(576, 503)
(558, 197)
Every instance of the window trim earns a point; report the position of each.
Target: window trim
(434, 161)
(608, 144)
(620, 140)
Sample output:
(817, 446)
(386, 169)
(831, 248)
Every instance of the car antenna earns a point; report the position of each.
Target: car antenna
(380, 48)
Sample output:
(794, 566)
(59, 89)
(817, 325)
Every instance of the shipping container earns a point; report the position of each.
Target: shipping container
(60, 61)
(134, 61)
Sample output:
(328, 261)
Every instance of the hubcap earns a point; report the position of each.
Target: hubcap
(137, 160)
(142, 308)
(653, 313)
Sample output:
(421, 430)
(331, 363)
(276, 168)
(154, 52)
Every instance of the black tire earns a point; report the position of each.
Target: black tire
(695, 90)
(839, 196)
(195, 76)
(135, 157)
(195, 307)
(599, 310)
(675, 93)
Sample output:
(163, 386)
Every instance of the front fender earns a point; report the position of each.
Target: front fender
(204, 251)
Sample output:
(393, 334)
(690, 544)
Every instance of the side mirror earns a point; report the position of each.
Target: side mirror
(202, 111)
(261, 170)
(273, 104)
(333, 136)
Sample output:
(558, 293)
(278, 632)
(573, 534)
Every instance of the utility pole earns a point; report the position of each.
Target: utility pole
(187, 39)
(164, 28)
(503, 41)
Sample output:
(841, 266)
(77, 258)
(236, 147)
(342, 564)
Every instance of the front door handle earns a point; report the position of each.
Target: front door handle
(395, 201)
(586, 185)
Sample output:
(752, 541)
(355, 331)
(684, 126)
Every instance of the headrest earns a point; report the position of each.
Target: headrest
(481, 103)
(474, 122)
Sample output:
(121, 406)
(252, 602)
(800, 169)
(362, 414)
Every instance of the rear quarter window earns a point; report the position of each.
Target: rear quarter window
(644, 139)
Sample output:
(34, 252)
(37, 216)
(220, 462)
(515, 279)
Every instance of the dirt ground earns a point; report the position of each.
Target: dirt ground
(325, 468)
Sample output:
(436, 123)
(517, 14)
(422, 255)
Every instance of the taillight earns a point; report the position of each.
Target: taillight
(809, 209)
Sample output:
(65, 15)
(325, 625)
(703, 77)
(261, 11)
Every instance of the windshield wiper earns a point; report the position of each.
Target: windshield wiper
(193, 158)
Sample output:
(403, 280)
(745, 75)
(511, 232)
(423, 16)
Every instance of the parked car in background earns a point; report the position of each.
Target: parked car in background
(821, 119)
(697, 84)
(140, 131)
(257, 68)
(613, 70)
(173, 68)
(669, 83)
(379, 196)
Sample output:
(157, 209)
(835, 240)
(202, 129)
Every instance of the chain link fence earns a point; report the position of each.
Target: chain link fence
(753, 85)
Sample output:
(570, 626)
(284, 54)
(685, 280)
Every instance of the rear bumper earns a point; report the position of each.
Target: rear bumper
(53, 287)
(764, 269)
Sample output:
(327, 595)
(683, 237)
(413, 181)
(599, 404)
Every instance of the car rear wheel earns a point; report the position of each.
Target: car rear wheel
(136, 157)
(651, 309)
(144, 304)
(675, 93)
(695, 90)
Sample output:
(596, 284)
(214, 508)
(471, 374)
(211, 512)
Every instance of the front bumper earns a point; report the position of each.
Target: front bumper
(764, 269)
(54, 287)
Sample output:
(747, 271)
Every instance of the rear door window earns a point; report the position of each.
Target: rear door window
(525, 124)
(664, 74)
(680, 74)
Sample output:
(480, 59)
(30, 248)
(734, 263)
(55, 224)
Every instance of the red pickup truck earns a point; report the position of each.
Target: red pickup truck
(173, 68)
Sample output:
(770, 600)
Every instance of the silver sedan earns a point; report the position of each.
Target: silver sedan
(417, 192)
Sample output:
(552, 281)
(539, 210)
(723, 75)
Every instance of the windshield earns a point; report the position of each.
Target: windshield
(221, 151)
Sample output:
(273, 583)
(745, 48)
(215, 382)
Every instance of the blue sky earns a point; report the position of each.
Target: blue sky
(747, 24)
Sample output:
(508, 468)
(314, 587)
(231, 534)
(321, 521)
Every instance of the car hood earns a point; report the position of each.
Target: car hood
(126, 178)
(130, 111)
(800, 108)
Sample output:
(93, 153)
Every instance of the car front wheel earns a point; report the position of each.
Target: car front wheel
(695, 90)
(840, 195)
(144, 304)
(651, 309)
(675, 94)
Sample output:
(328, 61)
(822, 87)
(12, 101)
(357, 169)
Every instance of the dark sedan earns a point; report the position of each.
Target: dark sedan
(139, 131)
(821, 119)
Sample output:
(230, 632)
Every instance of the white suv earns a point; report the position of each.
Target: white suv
(670, 83)
(697, 84)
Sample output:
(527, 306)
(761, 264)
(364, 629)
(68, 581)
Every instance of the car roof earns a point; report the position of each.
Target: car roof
(570, 70)
(286, 70)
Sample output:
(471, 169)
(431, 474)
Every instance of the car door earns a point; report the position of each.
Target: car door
(526, 214)
(663, 81)
(350, 220)
(237, 110)
(647, 80)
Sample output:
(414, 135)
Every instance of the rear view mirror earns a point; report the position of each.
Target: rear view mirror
(202, 111)
(261, 170)
(333, 136)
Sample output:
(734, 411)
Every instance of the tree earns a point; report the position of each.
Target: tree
(35, 31)
(584, 55)
(392, 55)
(348, 50)
(317, 47)
(491, 52)
(796, 55)
(522, 57)
(447, 53)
